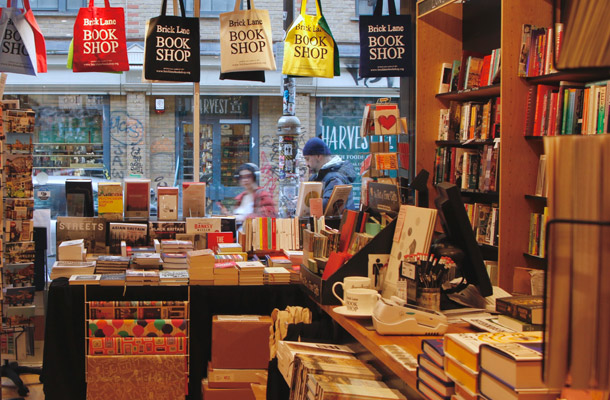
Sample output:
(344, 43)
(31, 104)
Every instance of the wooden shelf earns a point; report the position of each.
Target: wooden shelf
(484, 197)
(471, 94)
(465, 143)
(574, 76)
(536, 198)
(534, 257)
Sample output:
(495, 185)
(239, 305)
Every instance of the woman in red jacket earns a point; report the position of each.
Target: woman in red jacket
(254, 201)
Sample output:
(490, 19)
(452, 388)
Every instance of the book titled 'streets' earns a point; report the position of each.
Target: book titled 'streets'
(91, 230)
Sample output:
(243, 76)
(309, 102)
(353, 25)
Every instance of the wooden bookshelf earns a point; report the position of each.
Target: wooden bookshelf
(441, 36)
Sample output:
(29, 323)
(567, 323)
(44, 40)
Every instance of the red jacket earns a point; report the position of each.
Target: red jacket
(264, 206)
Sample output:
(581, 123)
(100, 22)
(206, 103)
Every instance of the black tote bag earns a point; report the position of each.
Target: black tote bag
(385, 43)
(172, 47)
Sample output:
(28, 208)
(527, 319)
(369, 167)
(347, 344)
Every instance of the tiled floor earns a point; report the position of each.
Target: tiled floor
(9, 391)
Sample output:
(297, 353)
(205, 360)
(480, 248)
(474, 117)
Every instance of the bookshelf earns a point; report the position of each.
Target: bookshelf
(444, 29)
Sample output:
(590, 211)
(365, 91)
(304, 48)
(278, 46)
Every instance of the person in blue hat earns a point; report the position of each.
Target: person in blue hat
(329, 169)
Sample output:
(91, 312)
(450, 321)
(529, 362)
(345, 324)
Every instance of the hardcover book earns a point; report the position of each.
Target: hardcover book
(79, 197)
(338, 199)
(167, 203)
(164, 230)
(133, 234)
(193, 199)
(524, 308)
(307, 191)
(519, 365)
(137, 198)
(91, 229)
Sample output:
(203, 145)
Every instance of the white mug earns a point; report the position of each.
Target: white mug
(351, 282)
(361, 301)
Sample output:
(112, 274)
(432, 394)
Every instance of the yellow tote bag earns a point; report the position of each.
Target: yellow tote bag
(309, 47)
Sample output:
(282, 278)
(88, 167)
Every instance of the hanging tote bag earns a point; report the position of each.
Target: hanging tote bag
(385, 43)
(18, 48)
(171, 51)
(245, 40)
(39, 42)
(99, 39)
(309, 47)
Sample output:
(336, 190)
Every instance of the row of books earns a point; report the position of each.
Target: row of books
(571, 108)
(470, 169)
(472, 71)
(485, 222)
(538, 46)
(472, 120)
(102, 236)
(537, 233)
(266, 233)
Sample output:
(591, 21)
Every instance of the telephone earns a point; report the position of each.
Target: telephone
(394, 317)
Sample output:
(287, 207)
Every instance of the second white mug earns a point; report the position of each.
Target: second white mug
(351, 282)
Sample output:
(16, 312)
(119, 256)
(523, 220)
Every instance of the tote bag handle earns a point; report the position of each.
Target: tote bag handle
(318, 8)
(379, 8)
(250, 5)
(164, 8)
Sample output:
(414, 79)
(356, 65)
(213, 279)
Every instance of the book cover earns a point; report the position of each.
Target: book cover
(164, 230)
(78, 279)
(193, 199)
(21, 230)
(91, 229)
(387, 119)
(16, 275)
(167, 203)
(455, 72)
(79, 197)
(216, 238)
(133, 234)
(338, 199)
(473, 71)
(307, 191)
(433, 348)
(18, 208)
(19, 252)
(136, 198)
(524, 308)
(110, 200)
(445, 78)
(19, 296)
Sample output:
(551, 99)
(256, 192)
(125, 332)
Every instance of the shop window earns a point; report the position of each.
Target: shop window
(57, 5)
(366, 7)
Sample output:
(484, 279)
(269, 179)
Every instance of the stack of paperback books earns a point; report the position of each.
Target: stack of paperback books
(66, 269)
(174, 260)
(72, 250)
(276, 276)
(175, 277)
(225, 273)
(107, 264)
(201, 266)
(146, 261)
(250, 272)
(431, 378)
(141, 277)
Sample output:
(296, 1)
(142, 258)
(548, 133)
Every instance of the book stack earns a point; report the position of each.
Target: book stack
(113, 279)
(146, 261)
(107, 264)
(513, 371)
(72, 250)
(128, 251)
(201, 266)
(225, 273)
(250, 272)
(342, 377)
(176, 277)
(78, 279)
(174, 260)
(65, 269)
(141, 277)
(522, 313)
(276, 276)
(228, 248)
(176, 246)
(431, 378)
(462, 356)
(295, 256)
(287, 350)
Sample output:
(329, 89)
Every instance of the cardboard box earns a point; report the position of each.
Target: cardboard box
(235, 378)
(226, 394)
(240, 341)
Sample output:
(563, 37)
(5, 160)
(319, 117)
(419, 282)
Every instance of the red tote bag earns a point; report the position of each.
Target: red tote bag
(99, 39)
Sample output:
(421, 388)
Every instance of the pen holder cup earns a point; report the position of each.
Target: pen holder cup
(429, 298)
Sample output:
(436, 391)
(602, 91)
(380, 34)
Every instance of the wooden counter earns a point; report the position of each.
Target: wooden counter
(373, 341)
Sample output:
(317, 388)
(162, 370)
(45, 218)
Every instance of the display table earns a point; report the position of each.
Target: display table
(63, 373)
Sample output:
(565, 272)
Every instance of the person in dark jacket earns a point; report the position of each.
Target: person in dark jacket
(328, 169)
(254, 201)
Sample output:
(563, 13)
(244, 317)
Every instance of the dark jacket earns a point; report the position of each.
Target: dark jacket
(336, 172)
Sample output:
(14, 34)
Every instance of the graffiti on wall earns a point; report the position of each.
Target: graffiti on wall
(127, 141)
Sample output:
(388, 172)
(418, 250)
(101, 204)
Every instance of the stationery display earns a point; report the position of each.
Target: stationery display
(99, 39)
(171, 51)
(137, 345)
(138, 309)
(137, 327)
(385, 43)
(309, 46)
(20, 32)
